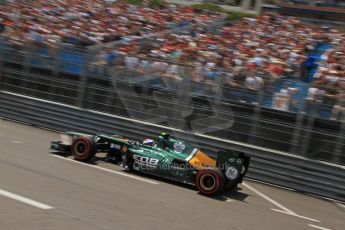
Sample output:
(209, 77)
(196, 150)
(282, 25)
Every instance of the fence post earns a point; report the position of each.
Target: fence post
(83, 82)
(308, 130)
(258, 6)
(340, 144)
(219, 88)
(57, 61)
(183, 100)
(255, 120)
(55, 72)
(183, 89)
(29, 54)
(296, 136)
(245, 5)
(1, 60)
(28, 51)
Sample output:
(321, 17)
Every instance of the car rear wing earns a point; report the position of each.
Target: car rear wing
(232, 158)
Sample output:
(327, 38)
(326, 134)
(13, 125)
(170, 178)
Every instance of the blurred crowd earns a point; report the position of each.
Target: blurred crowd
(329, 82)
(253, 52)
(83, 23)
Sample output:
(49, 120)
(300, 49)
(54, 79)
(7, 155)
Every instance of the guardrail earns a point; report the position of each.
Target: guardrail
(221, 82)
(187, 105)
(271, 166)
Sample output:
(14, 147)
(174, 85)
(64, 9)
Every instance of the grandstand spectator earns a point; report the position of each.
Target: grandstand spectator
(276, 69)
(314, 99)
(289, 93)
(2, 26)
(338, 110)
(253, 83)
(281, 102)
(110, 56)
(131, 62)
(331, 73)
(173, 72)
(143, 67)
(99, 64)
(197, 72)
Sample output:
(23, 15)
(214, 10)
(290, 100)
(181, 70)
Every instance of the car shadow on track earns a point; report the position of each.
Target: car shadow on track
(93, 161)
(235, 194)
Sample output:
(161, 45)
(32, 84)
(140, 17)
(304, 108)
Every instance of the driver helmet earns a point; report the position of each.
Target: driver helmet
(149, 142)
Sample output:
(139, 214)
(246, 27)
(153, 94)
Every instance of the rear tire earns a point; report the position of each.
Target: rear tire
(83, 148)
(209, 181)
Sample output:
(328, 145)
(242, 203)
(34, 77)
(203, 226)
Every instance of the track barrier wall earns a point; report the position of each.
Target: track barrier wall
(300, 173)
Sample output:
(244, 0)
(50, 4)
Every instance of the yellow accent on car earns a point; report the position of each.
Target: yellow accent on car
(201, 160)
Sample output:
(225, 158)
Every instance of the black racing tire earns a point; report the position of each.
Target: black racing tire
(209, 181)
(83, 148)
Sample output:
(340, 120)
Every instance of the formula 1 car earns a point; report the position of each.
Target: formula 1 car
(167, 158)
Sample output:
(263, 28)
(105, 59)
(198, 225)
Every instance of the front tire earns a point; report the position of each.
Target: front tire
(83, 148)
(209, 181)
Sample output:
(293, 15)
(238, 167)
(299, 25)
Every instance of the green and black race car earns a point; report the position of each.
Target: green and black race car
(167, 158)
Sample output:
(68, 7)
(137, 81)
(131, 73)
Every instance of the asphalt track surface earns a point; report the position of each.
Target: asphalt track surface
(39, 190)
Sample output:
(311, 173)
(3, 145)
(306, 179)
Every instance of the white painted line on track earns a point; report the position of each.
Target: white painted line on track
(273, 185)
(25, 200)
(318, 227)
(107, 170)
(285, 209)
(340, 205)
(16, 142)
(296, 215)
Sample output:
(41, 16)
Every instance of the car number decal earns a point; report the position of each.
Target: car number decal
(146, 160)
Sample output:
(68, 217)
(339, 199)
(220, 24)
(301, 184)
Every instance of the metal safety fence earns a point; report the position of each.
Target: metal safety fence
(179, 96)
